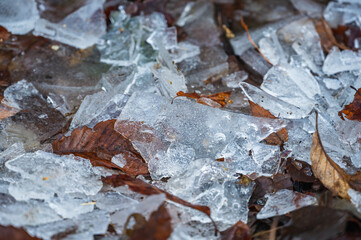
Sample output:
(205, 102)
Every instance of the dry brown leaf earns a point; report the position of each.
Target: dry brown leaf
(4, 34)
(7, 111)
(158, 227)
(13, 233)
(327, 38)
(277, 138)
(100, 146)
(352, 111)
(217, 100)
(239, 231)
(330, 174)
(144, 188)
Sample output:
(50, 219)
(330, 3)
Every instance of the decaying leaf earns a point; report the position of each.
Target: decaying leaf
(327, 38)
(13, 233)
(100, 146)
(277, 138)
(144, 188)
(330, 174)
(217, 100)
(4, 34)
(158, 227)
(5, 110)
(352, 111)
(239, 231)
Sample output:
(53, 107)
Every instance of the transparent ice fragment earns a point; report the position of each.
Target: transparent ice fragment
(153, 124)
(273, 104)
(71, 205)
(80, 29)
(45, 174)
(340, 61)
(30, 213)
(183, 51)
(98, 107)
(256, 62)
(355, 198)
(284, 201)
(113, 201)
(342, 13)
(49, 230)
(332, 84)
(206, 182)
(193, 11)
(17, 94)
(310, 7)
(167, 37)
(18, 16)
(283, 79)
(95, 222)
(234, 79)
(145, 208)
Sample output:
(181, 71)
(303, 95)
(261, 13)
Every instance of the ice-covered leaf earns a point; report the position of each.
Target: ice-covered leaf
(239, 231)
(5, 110)
(144, 188)
(330, 174)
(218, 100)
(352, 111)
(158, 227)
(277, 138)
(100, 146)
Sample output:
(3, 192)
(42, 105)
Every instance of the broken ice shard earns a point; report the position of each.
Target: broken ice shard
(280, 80)
(157, 127)
(206, 182)
(340, 61)
(284, 201)
(167, 37)
(233, 80)
(45, 174)
(18, 16)
(80, 29)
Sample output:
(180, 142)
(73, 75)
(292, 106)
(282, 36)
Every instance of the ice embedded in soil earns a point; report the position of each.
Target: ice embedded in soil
(83, 72)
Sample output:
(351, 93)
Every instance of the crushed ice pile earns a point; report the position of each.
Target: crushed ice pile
(50, 195)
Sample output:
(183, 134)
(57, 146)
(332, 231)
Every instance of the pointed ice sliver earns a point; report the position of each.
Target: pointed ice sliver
(80, 29)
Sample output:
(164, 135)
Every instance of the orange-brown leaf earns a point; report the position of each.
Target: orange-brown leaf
(4, 34)
(13, 233)
(217, 100)
(158, 227)
(239, 231)
(7, 111)
(352, 111)
(328, 40)
(277, 138)
(330, 174)
(100, 146)
(144, 188)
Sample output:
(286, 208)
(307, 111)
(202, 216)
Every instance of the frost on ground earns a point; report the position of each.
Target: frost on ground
(162, 120)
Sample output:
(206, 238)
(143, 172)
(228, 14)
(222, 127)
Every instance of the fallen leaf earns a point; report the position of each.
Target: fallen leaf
(100, 146)
(330, 174)
(277, 138)
(217, 100)
(352, 111)
(328, 40)
(13, 233)
(229, 33)
(239, 231)
(299, 171)
(144, 188)
(4, 34)
(158, 227)
(6, 111)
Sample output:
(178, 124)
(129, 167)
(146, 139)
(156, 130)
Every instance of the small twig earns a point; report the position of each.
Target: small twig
(266, 231)
(251, 40)
(273, 230)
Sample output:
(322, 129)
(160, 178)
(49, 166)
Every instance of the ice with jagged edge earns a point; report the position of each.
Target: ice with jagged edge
(18, 16)
(341, 61)
(80, 29)
(157, 127)
(284, 201)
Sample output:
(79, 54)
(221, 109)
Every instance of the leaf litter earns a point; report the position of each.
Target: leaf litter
(97, 141)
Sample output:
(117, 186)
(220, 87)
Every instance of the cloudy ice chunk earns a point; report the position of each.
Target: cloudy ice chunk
(49, 230)
(310, 7)
(30, 213)
(18, 16)
(17, 93)
(80, 29)
(183, 51)
(282, 79)
(71, 205)
(342, 13)
(340, 61)
(332, 84)
(234, 79)
(284, 201)
(206, 182)
(45, 174)
(193, 11)
(113, 201)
